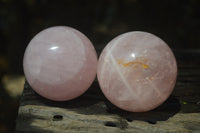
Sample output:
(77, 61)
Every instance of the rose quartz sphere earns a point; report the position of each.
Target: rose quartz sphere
(60, 63)
(137, 71)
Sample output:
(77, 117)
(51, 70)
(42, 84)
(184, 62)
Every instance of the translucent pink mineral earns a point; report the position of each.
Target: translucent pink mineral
(60, 63)
(137, 71)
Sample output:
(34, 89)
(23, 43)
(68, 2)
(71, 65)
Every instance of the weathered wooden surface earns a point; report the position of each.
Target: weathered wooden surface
(92, 113)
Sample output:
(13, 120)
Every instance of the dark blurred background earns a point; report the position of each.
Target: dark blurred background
(175, 21)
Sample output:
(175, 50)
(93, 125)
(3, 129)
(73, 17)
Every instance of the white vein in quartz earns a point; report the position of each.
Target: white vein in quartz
(119, 72)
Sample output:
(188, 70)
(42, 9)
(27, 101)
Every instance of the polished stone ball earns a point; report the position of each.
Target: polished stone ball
(137, 71)
(60, 63)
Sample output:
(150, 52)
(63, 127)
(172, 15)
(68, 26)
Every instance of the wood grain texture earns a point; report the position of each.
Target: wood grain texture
(92, 112)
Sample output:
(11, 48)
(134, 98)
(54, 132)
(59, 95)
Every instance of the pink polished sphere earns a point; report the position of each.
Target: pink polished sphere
(60, 63)
(137, 71)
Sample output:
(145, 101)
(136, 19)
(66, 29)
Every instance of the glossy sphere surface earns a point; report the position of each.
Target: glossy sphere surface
(60, 63)
(137, 71)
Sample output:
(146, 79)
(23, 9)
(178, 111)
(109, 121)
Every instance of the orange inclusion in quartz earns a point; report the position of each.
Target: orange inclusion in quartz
(121, 61)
